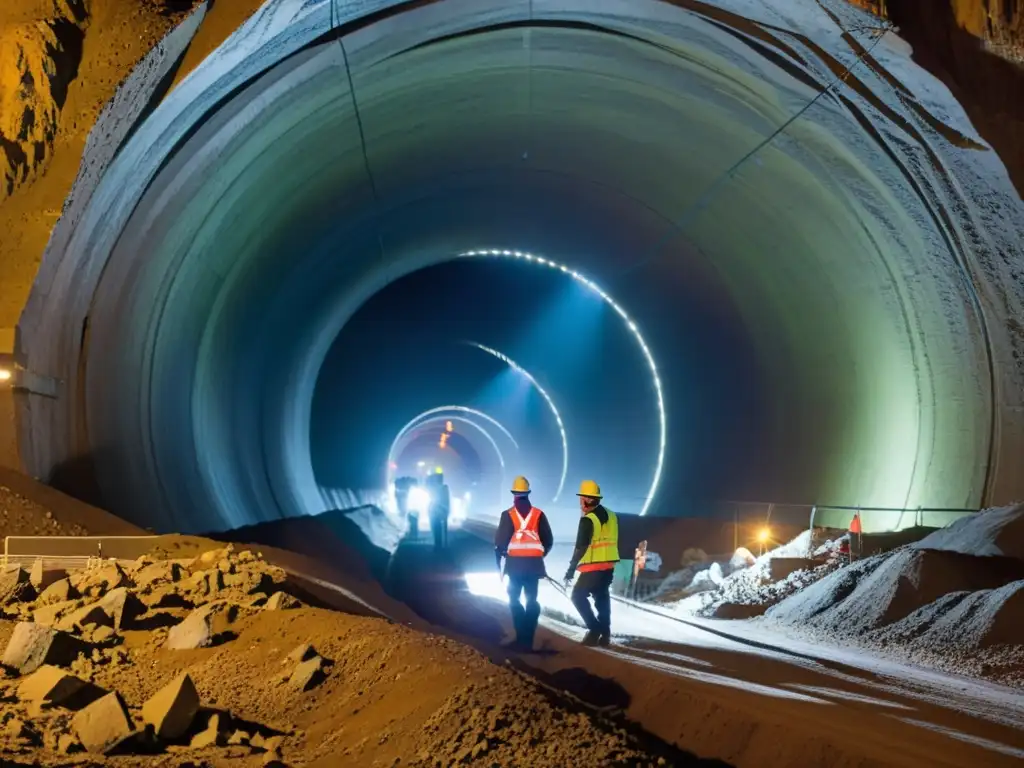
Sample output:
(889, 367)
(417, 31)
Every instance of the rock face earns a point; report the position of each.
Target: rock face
(38, 63)
(33, 645)
(976, 48)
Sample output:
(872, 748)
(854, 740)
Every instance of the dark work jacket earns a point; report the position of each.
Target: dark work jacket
(584, 535)
(440, 506)
(525, 567)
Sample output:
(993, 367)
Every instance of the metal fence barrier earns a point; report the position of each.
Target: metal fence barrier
(72, 552)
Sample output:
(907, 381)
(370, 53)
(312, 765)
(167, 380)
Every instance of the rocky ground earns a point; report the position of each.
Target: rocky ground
(217, 660)
(21, 516)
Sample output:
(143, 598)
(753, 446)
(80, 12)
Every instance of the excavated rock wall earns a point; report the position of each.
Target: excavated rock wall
(40, 49)
(976, 47)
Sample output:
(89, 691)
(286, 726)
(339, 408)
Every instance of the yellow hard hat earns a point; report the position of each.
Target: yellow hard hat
(590, 489)
(520, 485)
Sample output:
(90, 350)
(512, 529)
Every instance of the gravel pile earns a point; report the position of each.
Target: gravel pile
(954, 600)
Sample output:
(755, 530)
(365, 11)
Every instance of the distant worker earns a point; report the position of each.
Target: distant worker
(595, 556)
(402, 487)
(439, 510)
(524, 539)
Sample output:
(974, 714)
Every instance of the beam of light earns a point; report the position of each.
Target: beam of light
(392, 465)
(551, 404)
(630, 324)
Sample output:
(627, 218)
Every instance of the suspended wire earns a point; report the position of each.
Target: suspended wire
(701, 202)
(362, 133)
(528, 35)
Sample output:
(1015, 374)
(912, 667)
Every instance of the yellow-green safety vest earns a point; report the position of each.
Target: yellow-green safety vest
(604, 544)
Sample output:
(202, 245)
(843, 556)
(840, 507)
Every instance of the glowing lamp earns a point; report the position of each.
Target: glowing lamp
(764, 535)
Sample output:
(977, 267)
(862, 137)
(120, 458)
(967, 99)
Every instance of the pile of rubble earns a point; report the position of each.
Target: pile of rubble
(482, 723)
(71, 625)
(219, 660)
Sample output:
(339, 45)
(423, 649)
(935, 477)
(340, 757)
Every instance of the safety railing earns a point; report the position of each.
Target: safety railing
(72, 552)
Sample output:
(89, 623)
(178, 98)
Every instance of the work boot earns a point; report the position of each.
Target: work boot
(590, 639)
(604, 640)
(515, 645)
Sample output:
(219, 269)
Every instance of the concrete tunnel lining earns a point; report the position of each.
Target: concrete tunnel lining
(165, 423)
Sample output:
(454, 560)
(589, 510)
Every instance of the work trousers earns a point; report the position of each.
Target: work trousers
(524, 619)
(596, 585)
(439, 526)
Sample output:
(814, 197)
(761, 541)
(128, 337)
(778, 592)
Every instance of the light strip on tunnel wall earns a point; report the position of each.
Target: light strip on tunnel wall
(630, 324)
(551, 404)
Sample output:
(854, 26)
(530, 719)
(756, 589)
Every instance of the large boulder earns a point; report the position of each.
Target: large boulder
(161, 572)
(52, 685)
(58, 592)
(86, 616)
(211, 558)
(203, 627)
(308, 674)
(50, 614)
(122, 606)
(172, 709)
(104, 725)
(281, 601)
(32, 645)
(97, 581)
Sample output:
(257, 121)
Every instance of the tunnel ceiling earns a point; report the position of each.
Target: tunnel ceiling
(867, 248)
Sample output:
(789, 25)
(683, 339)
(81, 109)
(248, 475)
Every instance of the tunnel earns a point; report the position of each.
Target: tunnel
(766, 184)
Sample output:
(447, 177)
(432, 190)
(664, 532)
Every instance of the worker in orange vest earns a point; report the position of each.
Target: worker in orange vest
(854, 535)
(523, 538)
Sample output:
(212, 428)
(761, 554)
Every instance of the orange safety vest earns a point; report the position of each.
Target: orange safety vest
(526, 538)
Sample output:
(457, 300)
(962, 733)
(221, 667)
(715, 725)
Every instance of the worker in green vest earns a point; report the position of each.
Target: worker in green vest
(595, 556)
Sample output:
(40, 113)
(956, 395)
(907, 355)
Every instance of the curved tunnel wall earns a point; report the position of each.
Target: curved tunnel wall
(239, 228)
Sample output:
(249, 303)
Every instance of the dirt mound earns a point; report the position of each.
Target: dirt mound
(946, 609)
(970, 633)
(29, 508)
(995, 532)
(205, 659)
(343, 537)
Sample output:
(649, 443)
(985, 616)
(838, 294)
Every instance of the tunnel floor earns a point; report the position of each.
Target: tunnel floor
(656, 665)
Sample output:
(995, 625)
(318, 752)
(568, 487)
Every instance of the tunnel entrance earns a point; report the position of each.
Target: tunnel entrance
(284, 183)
